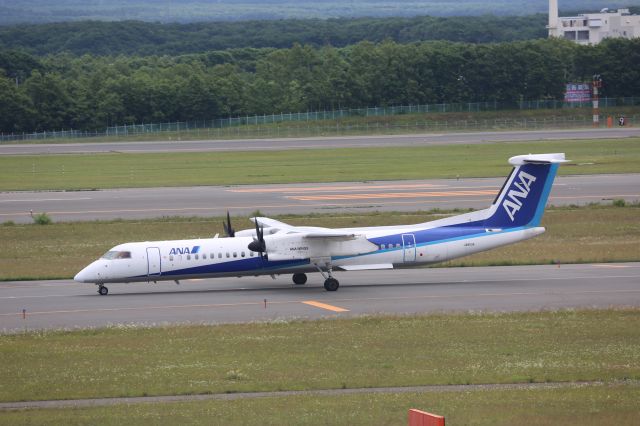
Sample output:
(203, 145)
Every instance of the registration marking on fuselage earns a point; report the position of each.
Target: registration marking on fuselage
(324, 306)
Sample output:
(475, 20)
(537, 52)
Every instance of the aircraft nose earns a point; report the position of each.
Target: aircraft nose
(81, 276)
(85, 276)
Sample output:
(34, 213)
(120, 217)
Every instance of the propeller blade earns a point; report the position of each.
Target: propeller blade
(258, 244)
(227, 227)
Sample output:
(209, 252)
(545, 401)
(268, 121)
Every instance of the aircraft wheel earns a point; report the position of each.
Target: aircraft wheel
(331, 284)
(103, 290)
(299, 278)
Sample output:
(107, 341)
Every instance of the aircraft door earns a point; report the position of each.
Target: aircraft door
(153, 262)
(409, 247)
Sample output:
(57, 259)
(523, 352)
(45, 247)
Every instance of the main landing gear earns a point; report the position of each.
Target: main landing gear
(299, 278)
(102, 290)
(330, 283)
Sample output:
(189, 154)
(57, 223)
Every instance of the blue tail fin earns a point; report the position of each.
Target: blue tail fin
(525, 193)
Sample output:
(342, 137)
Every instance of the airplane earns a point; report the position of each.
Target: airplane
(274, 247)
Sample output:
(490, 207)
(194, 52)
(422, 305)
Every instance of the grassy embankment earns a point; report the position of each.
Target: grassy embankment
(335, 354)
(574, 235)
(117, 170)
(606, 404)
(386, 125)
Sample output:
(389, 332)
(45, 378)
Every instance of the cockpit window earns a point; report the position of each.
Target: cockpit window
(117, 255)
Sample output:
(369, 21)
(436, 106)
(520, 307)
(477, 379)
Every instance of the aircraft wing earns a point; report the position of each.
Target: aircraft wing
(272, 223)
(274, 226)
(287, 242)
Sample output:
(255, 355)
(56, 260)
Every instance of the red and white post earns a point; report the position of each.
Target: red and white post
(597, 85)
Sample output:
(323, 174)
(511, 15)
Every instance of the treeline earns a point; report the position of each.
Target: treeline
(89, 92)
(235, 10)
(146, 39)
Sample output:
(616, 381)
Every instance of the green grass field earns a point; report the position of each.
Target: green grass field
(574, 235)
(564, 118)
(325, 354)
(607, 404)
(364, 352)
(115, 170)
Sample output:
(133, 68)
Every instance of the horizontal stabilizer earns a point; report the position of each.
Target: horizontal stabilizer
(520, 160)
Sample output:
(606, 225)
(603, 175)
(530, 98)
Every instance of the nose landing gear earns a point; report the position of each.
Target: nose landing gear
(102, 290)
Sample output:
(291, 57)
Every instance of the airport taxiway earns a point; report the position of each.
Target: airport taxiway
(327, 142)
(69, 305)
(146, 203)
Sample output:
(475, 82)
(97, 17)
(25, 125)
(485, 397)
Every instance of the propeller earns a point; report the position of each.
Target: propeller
(227, 227)
(258, 243)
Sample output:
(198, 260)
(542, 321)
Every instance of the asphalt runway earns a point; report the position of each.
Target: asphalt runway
(69, 305)
(148, 203)
(331, 142)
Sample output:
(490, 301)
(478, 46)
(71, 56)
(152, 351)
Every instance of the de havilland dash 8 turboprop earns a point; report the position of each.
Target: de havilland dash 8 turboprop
(274, 247)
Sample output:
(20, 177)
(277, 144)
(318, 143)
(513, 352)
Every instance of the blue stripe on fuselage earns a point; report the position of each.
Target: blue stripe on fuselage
(240, 265)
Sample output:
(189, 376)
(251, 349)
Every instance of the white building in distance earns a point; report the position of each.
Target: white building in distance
(592, 28)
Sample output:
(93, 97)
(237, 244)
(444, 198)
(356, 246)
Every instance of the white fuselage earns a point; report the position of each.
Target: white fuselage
(226, 257)
(277, 248)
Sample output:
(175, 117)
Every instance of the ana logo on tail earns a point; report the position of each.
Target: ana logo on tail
(513, 199)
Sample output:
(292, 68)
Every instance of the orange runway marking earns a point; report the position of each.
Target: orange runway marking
(172, 307)
(335, 188)
(324, 306)
(352, 188)
(388, 195)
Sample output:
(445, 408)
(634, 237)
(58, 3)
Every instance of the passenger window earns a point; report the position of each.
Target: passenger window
(382, 246)
(219, 255)
(171, 257)
(188, 257)
(228, 255)
(235, 254)
(250, 254)
(196, 257)
(242, 254)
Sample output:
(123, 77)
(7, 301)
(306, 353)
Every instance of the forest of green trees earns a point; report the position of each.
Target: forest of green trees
(64, 91)
(144, 39)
